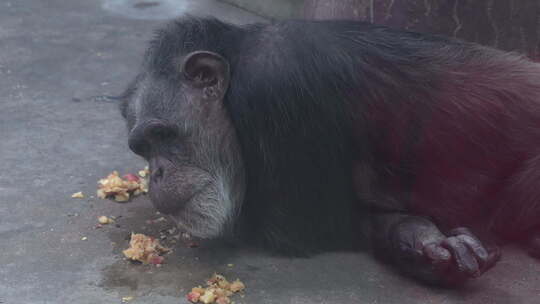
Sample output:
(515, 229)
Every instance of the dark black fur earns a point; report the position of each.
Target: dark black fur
(295, 131)
(306, 99)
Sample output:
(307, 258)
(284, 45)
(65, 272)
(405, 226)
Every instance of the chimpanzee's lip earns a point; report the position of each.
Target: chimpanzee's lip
(185, 203)
(172, 203)
(189, 222)
(190, 219)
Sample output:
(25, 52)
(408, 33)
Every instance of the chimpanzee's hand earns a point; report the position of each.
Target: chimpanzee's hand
(427, 254)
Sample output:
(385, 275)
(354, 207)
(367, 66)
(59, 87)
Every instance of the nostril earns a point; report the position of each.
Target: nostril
(150, 132)
(138, 146)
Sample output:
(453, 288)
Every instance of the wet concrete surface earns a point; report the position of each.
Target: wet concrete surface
(56, 140)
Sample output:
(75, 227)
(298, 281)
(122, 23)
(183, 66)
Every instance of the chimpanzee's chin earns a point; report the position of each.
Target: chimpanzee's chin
(196, 225)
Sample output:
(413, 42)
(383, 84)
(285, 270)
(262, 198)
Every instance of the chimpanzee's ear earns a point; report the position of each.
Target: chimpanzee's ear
(207, 71)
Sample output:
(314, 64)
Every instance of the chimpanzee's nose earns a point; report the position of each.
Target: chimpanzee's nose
(149, 133)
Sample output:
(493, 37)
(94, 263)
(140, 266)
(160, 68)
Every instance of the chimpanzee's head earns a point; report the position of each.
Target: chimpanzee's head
(244, 117)
(177, 121)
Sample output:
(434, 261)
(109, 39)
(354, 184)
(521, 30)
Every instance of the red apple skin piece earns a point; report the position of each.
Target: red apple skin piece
(156, 260)
(131, 177)
(193, 297)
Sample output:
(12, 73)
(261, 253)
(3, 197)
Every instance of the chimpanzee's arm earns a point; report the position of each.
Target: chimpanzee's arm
(419, 248)
(414, 243)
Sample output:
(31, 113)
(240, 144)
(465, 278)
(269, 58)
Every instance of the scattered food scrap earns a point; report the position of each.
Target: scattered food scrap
(121, 189)
(105, 220)
(218, 291)
(84, 238)
(145, 249)
(77, 195)
(188, 241)
(127, 299)
(161, 219)
(144, 173)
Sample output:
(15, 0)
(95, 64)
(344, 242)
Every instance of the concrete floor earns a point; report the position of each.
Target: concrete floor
(56, 140)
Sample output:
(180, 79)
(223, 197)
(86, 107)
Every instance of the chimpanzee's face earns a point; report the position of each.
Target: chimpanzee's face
(179, 124)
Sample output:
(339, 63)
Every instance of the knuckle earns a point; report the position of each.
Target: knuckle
(460, 230)
(452, 241)
(467, 239)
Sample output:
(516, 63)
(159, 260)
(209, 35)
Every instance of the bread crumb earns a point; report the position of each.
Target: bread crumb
(223, 300)
(77, 195)
(104, 220)
(198, 289)
(208, 297)
(237, 286)
(145, 172)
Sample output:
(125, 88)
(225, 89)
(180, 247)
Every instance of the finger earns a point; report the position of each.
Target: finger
(460, 231)
(478, 250)
(437, 254)
(465, 261)
(439, 257)
(493, 252)
(493, 257)
(475, 246)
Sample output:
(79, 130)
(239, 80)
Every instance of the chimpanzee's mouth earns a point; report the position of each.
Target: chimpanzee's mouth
(195, 223)
(198, 217)
(171, 201)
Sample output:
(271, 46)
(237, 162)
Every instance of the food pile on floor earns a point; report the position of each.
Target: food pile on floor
(122, 188)
(145, 249)
(218, 291)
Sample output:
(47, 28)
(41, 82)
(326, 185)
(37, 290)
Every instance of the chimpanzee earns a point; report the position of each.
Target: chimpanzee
(304, 136)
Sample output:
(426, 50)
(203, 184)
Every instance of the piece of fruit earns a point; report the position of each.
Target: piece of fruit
(77, 195)
(104, 220)
(223, 300)
(237, 286)
(121, 188)
(145, 249)
(208, 297)
(131, 177)
(193, 297)
(218, 291)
